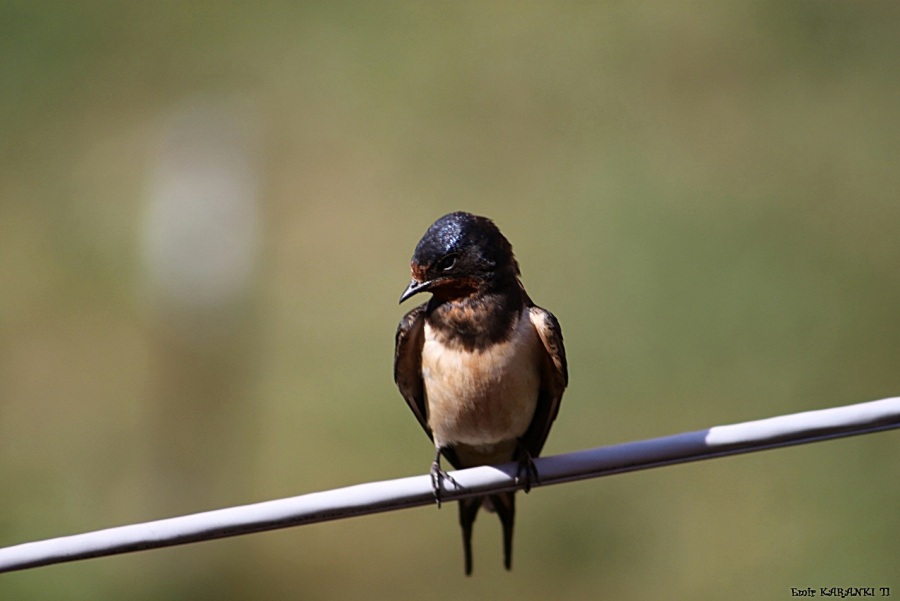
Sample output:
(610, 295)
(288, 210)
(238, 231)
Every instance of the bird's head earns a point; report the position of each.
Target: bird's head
(460, 254)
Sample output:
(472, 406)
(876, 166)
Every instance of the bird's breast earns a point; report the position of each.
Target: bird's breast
(484, 396)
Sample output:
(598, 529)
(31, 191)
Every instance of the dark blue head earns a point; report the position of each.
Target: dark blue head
(460, 254)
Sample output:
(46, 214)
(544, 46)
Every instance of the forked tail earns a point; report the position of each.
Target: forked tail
(504, 504)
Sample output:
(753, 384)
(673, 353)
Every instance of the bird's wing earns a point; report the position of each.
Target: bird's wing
(408, 363)
(554, 378)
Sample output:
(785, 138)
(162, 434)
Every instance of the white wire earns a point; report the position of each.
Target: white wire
(389, 495)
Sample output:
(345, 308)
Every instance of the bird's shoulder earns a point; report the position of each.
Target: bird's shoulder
(550, 333)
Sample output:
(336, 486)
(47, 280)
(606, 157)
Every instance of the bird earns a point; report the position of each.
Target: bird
(482, 367)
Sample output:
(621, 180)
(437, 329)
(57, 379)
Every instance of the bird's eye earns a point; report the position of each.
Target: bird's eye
(447, 263)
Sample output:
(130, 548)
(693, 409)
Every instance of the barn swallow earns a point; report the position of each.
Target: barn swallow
(481, 366)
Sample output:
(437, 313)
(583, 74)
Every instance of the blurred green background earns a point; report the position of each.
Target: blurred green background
(206, 216)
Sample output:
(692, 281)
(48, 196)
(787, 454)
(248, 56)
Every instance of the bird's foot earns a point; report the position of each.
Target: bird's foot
(526, 471)
(438, 476)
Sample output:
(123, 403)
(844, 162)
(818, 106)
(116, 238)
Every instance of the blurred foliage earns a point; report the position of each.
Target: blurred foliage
(704, 194)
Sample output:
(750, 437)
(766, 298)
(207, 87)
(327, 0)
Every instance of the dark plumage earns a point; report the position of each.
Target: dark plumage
(481, 366)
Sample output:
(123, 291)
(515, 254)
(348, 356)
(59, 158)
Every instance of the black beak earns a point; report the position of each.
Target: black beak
(414, 288)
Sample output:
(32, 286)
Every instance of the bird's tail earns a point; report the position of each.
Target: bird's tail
(504, 504)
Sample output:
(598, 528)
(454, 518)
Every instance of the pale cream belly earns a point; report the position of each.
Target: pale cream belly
(481, 398)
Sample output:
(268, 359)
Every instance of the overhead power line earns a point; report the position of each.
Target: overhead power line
(388, 495)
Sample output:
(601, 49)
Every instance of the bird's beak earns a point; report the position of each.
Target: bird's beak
(414, 288)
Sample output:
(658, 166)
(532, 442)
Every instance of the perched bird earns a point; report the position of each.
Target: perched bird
(481, 366)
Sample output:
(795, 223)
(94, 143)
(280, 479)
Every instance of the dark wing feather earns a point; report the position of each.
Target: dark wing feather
(554, 378)
(408, 363)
